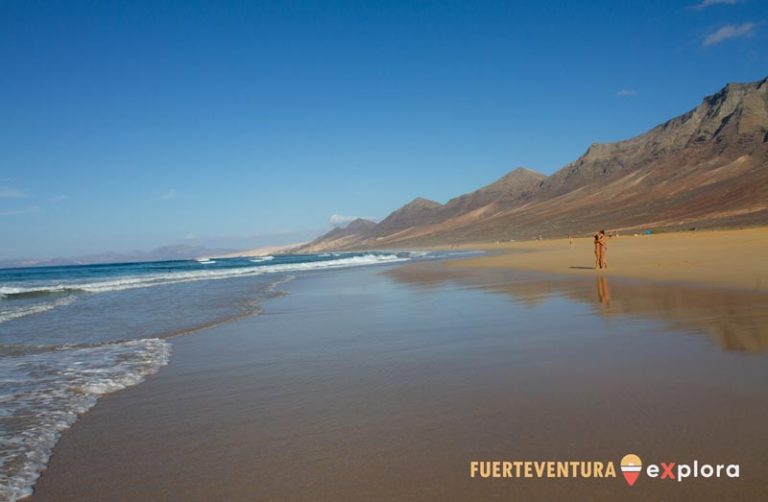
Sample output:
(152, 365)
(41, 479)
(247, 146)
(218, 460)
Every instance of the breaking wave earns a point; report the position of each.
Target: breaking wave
(160, 279)
(44, 389)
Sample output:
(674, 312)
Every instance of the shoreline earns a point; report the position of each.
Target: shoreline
(732, 259)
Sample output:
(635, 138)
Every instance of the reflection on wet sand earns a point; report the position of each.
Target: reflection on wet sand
(735, 320)
(603, 290)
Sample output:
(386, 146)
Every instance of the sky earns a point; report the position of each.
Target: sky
(132, 125)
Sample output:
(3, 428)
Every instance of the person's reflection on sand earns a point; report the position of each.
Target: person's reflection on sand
(736, 320)
(603, 291)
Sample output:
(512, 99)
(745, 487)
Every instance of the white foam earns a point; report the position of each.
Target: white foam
(149, 280)
(261, 259)
(43, 392)
(12, 313)
(15, 290)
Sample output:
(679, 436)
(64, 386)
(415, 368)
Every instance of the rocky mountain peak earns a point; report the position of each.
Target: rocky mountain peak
(421, 203)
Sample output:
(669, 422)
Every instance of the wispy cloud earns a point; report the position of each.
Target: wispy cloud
(20, 211)
(709, 3)
(339, 220)
(168, 194)
(729, 31)
(626, 92)
(59, 198)
(12, 193)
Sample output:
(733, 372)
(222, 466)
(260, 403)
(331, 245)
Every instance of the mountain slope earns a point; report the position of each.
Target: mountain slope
(514, 187)
(351, 236)
(707, 167)
(417, 212)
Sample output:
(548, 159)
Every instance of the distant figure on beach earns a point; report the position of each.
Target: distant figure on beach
(602, 241)
(570, 240)
(597, 249)
(601, 250)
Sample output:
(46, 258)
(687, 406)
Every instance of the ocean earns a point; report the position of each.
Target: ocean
(70, 334)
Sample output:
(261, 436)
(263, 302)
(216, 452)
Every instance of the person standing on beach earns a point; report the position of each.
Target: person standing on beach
(597, 250)
(602, 249)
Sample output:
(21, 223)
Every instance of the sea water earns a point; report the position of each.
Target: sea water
(69, 334)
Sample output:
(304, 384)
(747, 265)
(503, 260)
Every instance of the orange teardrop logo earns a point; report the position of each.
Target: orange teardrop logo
(631, 466)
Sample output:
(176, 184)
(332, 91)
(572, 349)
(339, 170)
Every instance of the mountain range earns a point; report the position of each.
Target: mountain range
(164, 253)
(706, 168)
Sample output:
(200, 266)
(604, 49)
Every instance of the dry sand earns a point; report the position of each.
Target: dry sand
(724, 258)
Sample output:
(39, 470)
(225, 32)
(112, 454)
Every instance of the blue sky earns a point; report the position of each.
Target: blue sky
(130, 125)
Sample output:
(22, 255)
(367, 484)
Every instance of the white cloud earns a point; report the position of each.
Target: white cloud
(626, 92)
(708, 3)
(338, 220)
(12, 193)
(59, 198)
(168, 194)
(729, 31)
(20, 211)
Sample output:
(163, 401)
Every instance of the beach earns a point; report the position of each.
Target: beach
(385, 382)
(384, 251)
(717, 258)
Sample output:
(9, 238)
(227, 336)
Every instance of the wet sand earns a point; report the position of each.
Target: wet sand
(384, 383)
(724, 258)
